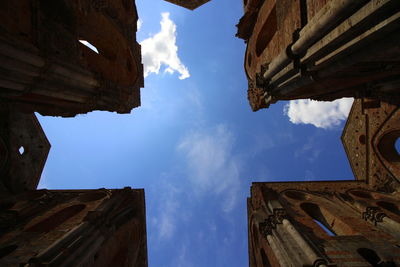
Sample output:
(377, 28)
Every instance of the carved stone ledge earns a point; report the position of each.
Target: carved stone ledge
(373, 214)
(271, 222)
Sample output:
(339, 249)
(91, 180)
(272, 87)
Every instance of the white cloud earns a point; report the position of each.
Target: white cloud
(211, 166)
(139, 24)
(318, 113)
(168, 212)
(160, 49)
(167, 220)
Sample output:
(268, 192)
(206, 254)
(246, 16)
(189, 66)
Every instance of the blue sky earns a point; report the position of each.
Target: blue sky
(194, 144)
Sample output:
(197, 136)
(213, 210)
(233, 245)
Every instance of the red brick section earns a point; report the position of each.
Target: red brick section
(74, 227)
(269, 28)
(338, 206)
(369, 140)
(59, 76)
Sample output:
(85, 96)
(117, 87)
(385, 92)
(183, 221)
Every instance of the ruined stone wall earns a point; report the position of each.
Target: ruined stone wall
(369, 137)
(73, 228)
(23, 151)
(45, 67)
(285, 225)
(320, 49)
(336, 223)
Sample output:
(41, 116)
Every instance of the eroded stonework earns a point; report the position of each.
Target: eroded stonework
(23, 149)
(286, 225)
(369, 140)
(324, 50)
(45, 67)
(74, 228)
(321, 50)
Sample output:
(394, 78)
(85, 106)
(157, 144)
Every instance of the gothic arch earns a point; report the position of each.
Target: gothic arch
(389, 206)
(384, 142)
(296, 194)
(387, 147)
(56, 219)
(315, 212)
(321, 209)
(370, 196)
(361, 194)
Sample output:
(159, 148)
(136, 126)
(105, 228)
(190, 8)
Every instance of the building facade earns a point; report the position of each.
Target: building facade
(23, 151)
(63, 58)
(325, 50)
(336, 223)
(320, 49)
(46, 67)
(74, 228)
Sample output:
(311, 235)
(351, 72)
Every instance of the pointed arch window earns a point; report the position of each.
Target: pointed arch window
(55, 220)
(390, 206)
(373, 258)
(318, 217)
(326, 229)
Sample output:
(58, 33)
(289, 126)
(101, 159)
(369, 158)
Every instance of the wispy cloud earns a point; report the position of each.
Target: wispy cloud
(211, 165)
(168, 211)
(320, 114)
(161, 49)
(309, 151)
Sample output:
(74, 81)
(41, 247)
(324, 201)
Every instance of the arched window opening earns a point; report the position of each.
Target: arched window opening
(361, 194)
(389, 146)
(7, 250)
(267, 32)
(345, 197)
(327, 230)
(370, 256)
(89, 45)
(264, 258)
(389, 206)
(56, 219)
(316, 214)
(296, 195)
(21, 150)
